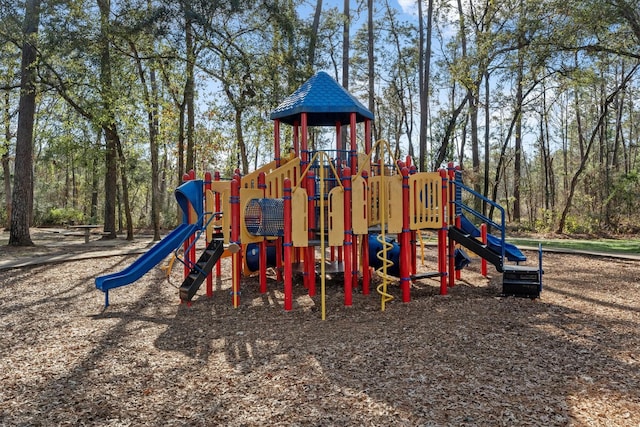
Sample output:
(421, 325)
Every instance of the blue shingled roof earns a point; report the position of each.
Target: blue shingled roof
(324, 101)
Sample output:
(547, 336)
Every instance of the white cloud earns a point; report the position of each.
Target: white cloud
(408, 6)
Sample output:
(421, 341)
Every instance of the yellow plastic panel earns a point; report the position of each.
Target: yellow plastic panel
(375, 184)
(336, 217)
(209, 207)
(275, 179)
(394, 203)
(359, 217)
(224, 189)
(299, 219)
(251, 180)
(425, 201)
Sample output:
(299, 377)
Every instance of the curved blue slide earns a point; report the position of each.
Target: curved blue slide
(146, 262)
(511, 251)
(189, 194)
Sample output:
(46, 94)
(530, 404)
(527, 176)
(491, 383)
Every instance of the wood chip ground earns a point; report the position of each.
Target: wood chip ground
(472, 358)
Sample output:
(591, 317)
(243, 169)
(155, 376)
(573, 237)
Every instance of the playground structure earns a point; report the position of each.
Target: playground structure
(319, 212)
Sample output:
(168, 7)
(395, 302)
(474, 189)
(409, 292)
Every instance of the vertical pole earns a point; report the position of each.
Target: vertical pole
(185, 245)
(367, 136)
(354, 169)
(483, 236)
(405, 251)
(216, 177)
(323, 232)
(310, 251)
(276, 142)
(458, 272)
(278, 259)
(452, 220)
(364, 255)
(263, 244)
(207, 187)
(442, 235)
(193, 220)
(235, 239)
(414, 235)
(304, 139)
(296, 138)
(354, 143)
(288, 248)
(348, 232)
(340, 249)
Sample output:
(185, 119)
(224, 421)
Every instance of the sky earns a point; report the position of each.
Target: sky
(408, 7)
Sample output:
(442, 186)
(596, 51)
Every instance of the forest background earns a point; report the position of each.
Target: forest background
(105, 104)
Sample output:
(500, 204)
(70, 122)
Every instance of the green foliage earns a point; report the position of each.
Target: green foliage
(579, 224)
(545, 221)
(61, 216)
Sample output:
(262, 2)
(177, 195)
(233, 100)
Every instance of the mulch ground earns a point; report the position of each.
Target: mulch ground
(471, 358)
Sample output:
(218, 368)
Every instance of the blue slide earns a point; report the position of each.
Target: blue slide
(511, 251)
(146, 262)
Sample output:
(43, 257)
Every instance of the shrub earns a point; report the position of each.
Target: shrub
(60, 216)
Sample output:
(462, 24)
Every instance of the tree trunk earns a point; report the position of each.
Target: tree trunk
(155, 154)
(189, 95)
(487, 139)
(371, 60)
(313, 37)
(108, 123)
(345, 52)
(6, 158)
(125, 186)
(451, 126)
(95, 184)
(425, 72)
(23, 177)
(241, 144)
(517, 163)
(151, 105)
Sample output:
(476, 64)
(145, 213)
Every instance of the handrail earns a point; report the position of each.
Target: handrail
(458, 203)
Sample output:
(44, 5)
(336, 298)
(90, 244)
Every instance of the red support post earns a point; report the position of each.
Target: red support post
(216, 177)
(458, 272)
(207, 186)
(348, 234)
(452, 220)
(340, 249)
(442, 235)
(405, 244)
(353, 135)
(288, 247)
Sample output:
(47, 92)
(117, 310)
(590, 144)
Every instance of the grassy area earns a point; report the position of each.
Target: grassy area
(622, 246)
(614, 246)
